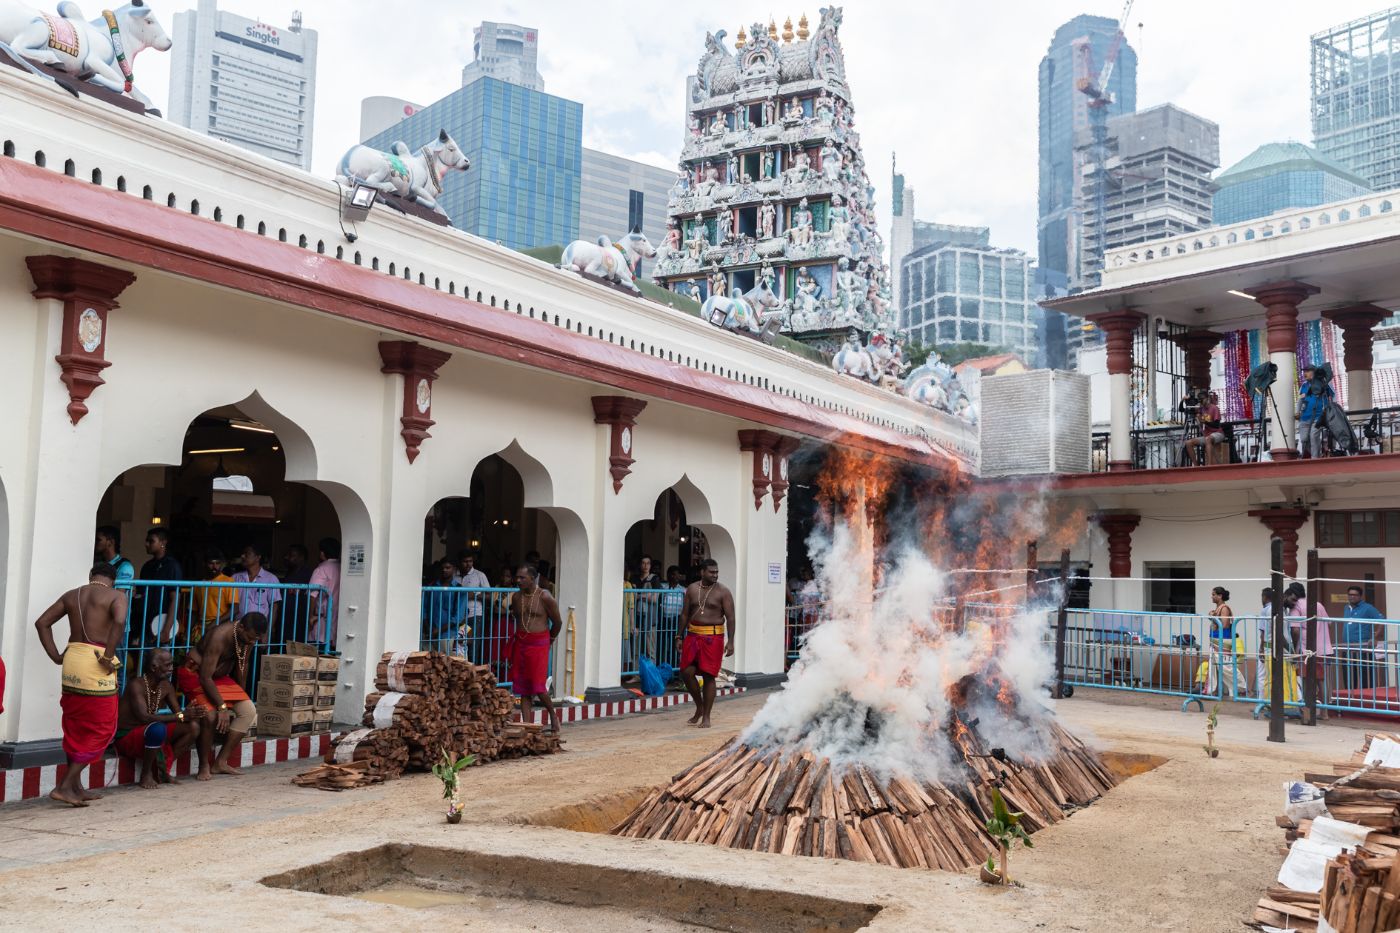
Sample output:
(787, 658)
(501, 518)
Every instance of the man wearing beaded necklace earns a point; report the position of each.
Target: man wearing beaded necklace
(709, 638)
(96, 619)
(216, 675)
(537, 624)
(144, 733)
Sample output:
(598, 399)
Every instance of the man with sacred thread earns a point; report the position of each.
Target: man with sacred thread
(217, 676)
(709, 637)
(96, 616)
(537, 624)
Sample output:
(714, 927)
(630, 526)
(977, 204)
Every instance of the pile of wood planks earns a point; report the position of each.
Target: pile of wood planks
(793, 803)
(1361, 889)
(425, 702)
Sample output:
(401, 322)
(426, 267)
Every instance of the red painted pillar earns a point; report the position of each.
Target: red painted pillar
(1118, 328)
(1356, 323)
(1281, 301)
(1119, 527)
(1284, 524)
(1197, 345)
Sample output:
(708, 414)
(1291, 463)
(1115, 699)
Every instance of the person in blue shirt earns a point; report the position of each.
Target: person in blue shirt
(1360, 635)
(108, 546)
(1313, 400)
(444, 607)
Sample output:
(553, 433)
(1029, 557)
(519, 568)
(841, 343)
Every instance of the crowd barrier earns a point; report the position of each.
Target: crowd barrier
(301, 614)
(470, 622)
(651, 620)
(1202, 658)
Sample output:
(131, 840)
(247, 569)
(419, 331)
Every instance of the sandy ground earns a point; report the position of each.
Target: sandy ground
(1188, 846)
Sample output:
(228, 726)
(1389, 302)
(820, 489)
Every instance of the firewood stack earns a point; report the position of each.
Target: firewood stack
(424, 702)
(792, 803)
(1361, 889)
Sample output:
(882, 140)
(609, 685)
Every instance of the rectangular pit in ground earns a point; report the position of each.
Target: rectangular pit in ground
(585, 896)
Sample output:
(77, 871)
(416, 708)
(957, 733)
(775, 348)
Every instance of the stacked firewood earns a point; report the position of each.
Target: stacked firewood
(425, 702)
(1361, 889)
(793, 803)
(361, 757)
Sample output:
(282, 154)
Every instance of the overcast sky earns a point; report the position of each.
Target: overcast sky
(950, 85)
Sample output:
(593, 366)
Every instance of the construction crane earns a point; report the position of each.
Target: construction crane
(1096, 89)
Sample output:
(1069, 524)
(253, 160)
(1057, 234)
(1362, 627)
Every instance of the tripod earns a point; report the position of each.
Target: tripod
(1264, 423)
(1190, 431)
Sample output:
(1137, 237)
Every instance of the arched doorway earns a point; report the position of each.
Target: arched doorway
(506, 519)
(662, 555)
(228, 501)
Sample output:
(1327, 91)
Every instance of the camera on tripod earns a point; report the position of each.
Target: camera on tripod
(1191, 401)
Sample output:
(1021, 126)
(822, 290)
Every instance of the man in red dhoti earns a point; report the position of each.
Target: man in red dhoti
(537, 624)
(146, 734)
(96, 616)
(216, 677)
(709, 615)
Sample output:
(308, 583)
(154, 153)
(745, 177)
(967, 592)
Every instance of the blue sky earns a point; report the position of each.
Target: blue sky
(949, 84)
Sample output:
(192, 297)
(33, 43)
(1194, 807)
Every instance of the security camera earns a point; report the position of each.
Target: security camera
(351, 237)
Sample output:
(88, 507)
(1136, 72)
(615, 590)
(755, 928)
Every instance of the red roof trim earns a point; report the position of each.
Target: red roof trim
(48, 206)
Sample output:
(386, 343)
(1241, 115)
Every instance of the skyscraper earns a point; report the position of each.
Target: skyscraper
(526, 151)
(1063, 110)
(1158, 165)
(1279, 177)
(619, 195)
(1356, 96)
(245, 82)
(506, 52)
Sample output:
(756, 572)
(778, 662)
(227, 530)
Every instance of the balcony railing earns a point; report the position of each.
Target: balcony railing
(1161, 447)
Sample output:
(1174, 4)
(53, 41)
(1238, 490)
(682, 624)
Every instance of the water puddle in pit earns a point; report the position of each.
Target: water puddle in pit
(549, 894)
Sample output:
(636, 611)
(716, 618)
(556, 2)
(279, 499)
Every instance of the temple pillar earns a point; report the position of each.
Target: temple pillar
(1118, 527)
(1280, 301)
(1284, 524)
(1197, 344)
(1118, 328)
(1356, 323)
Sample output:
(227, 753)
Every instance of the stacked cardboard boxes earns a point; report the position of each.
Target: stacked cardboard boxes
(298, 689)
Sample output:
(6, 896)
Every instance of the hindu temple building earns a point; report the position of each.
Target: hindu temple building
(773, 201)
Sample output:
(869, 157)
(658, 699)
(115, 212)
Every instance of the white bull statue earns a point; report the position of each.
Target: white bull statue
(608, 260)
(758, 311)
(416, 176)
(103, 51)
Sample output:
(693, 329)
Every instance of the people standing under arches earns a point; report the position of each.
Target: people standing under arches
(296, 608)
(709, 637)
(327, 576)
(266, 599)
(107, 546)
(537, 624)
(159, 603)
(96, 614)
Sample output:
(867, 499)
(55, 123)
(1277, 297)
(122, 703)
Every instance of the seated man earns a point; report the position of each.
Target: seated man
(216, 676)
(144, 732)
(1212, 438)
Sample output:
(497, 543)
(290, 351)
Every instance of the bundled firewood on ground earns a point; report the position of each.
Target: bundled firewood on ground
(1342, 835)
(793, 803)
(425, 702)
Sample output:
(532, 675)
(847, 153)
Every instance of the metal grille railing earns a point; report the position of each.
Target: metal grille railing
(651, 621)
(470, 622)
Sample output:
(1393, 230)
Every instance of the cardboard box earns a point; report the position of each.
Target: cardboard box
(286, 696)
(322, 721)
(301, 649)
(325, 696)
(279, 722)
(288, 668)
(327, 669)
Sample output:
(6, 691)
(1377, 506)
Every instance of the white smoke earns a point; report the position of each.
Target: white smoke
(872, 685)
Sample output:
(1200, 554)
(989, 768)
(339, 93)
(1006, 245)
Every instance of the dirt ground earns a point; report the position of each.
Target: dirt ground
(1188, 846)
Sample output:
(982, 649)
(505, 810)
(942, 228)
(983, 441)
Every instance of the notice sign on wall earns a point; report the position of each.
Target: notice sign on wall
(355, 560)
(775, 573)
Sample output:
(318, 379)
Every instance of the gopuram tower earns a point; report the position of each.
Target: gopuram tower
(772, 201)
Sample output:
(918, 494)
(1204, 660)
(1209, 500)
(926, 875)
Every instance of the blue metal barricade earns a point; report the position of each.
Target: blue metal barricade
(800, 620)
(188, 610)
(470, 622)
(651, 620)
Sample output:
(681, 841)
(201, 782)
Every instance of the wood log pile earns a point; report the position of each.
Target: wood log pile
(424, 702)
(1361, 889)
(793, 803)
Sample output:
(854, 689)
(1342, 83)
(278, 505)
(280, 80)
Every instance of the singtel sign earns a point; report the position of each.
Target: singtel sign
(267, 35)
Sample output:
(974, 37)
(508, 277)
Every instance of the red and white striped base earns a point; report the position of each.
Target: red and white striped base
(28, 783)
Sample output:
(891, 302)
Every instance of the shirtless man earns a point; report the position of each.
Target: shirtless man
(709, 617)
(149, 736)
(537, 624)
(96, 616)
(216, 676)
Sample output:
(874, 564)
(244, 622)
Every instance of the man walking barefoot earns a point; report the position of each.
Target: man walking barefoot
(537, 624)
(709, 617)
(96, 616)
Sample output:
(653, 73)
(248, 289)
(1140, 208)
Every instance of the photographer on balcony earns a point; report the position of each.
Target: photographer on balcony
(1205, 428)
(1313, 399)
